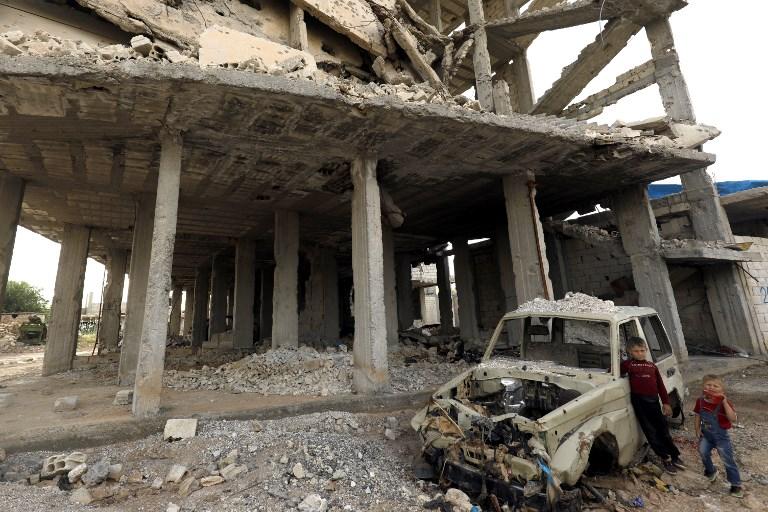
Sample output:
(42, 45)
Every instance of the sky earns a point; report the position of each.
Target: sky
(722, 52)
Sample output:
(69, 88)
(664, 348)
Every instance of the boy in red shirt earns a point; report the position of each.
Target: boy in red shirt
(714, 417)
(647, 387)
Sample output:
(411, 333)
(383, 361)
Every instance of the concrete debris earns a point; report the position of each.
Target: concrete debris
(571, 303)
(96, 474)
(8, 48)
(141, 44)
(188, 486)
(313, 503)
(298, 470)
(176, 429)
(458, 500)
(81, 496)
(65, 403)
(232, 471)
(115, 472)
(305, 371)
(209, 481)
(123, 397)
(221, 46)
(78, 471)
(176, 473)
(172, 507)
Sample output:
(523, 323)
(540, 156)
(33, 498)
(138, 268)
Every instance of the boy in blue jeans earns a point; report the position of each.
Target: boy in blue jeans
(714, 417)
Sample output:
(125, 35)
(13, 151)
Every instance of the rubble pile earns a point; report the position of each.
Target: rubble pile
(573, 302)
(9, 333)
(305, 371)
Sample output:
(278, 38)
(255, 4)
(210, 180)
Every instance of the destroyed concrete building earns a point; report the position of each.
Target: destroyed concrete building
(287, 164)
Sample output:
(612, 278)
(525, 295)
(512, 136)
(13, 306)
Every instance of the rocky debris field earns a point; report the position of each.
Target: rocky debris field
(574, 302)
(305, 371)
(324, 461)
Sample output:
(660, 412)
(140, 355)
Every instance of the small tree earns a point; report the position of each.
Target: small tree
(21, 296)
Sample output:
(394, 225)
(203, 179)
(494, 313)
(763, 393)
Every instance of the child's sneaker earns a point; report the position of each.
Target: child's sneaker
(711, 477)
(737, 491)
(670, 467)
(679, 464)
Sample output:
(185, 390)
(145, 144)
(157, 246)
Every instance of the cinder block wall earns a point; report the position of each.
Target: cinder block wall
(758, 290)
(590, 268)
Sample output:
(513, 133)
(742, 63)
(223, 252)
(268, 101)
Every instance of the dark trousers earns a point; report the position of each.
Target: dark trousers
(654, 425)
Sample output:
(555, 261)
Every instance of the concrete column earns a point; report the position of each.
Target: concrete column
(481, 59)
(465, 290)
(267, 292)
(219, 292)
(729, 302)
(137, 290)
(320, 318)
(11, 195)
(245, 283)
(174, 322)
(231, 304)
(390, 289)
(67, 300)
(189, 308)
(506, 273)
(109, 332)
(444, 299)
(371, 371)
(641, 240)
(200, 308)
(149, 371)
(405, 314)
(285, 306)
(526, 239)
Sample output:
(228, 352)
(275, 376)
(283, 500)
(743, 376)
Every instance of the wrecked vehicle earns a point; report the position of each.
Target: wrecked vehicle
(545, 405)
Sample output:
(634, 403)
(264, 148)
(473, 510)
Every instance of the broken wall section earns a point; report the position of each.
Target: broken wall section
(755, 275)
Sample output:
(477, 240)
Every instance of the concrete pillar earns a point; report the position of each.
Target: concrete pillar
(149, 371)
(109, 332)
(444, 298)
(200, 308)
(506, 273)
(267, 292)
(371, 371)
(11, 195)
(320, 318)
(481, 58)
(526, 239)
(285, 305)
(137, 290)
(231, 304)
(189, 308)
(405, 314)
(245, 282)
(390, 289)
(219, 292)
(641, 240)
(67, 300)
(465, 290)
(174, 322)
(729, 303)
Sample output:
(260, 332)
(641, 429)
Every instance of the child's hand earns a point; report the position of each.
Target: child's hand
(666, 409)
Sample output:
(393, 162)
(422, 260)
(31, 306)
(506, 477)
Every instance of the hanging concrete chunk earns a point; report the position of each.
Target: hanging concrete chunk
(221, 46)
(180, 429)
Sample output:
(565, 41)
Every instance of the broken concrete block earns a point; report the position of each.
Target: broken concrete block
(115, 472)
(175, 56)
(74, 459)
(224, 46)
(76, 472)
(8, 48)
(157, 484)
(298, 471)
(313, 503)
(172, 507)
(114, 52)
(123, 397)
(188, 486)
(176, 429)
(66, 403)
(231, 471)
(81, 496)
(211, 480)
(141, 44)
(460, 502)
(176, 473)
(14, 36)
(96, 474)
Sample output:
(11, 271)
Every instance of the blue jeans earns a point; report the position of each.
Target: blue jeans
(720, 441)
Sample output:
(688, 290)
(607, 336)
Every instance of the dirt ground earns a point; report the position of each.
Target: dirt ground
(352, 461)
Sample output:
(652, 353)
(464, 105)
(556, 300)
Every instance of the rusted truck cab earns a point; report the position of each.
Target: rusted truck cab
(546, 403)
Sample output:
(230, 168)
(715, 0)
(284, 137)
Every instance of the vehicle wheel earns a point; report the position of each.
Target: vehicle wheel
(570, 501)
